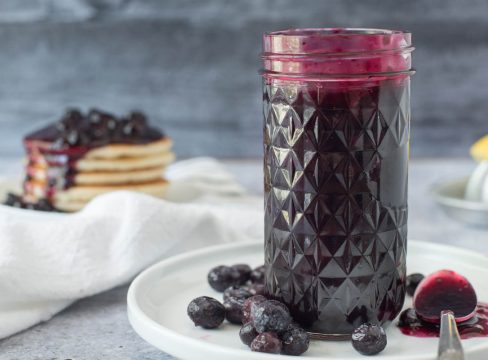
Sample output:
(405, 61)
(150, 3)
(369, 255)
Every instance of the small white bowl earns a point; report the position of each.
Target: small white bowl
(450, 196)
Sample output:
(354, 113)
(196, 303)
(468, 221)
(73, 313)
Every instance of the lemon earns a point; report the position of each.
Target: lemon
(479, 150)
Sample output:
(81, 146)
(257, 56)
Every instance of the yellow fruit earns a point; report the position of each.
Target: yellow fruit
(479, 150)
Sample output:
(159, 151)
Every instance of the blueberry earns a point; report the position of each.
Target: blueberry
(369, 339)
(266, 343)
(233, 310)
(247, 333)
(44, 205)
(270, 316)
(238, 292)
(95, 117)
(249, 304)
(223, 277)
(409, 318)
(29, 206)
(206, 312)
(413, 280)
(72, 137)
(13, 200)
(73, 114)
(101, 133)
(244, 271)
(18, 202)
(127, 128)
(295, 341)
(98, 117)
(258, 275)
(71, 120)
(257, 289)
(280, 304)
(138, 121)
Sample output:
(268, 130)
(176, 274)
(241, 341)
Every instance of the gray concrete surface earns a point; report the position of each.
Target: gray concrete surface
(97, 328)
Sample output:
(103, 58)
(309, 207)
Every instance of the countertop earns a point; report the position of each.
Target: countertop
(97, 327)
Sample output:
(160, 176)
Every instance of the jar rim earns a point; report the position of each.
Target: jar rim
(334, 32)
(334, 40)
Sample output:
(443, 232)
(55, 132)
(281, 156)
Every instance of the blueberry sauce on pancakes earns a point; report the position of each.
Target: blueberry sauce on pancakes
(83, 155)
(97, 128)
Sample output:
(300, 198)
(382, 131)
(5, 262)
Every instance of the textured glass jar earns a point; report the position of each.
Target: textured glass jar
(336, 147)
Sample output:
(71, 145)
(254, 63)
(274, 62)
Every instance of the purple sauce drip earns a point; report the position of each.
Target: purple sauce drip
(477, 326)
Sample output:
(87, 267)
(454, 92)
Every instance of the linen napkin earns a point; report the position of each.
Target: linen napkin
(48, 260)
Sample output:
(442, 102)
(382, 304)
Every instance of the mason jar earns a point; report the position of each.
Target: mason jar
(336, 148)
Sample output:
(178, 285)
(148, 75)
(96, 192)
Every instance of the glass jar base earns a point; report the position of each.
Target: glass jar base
(329, 337)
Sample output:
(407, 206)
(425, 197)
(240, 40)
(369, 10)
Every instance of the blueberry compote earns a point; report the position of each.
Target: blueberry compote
(336, 143)
(445, 290)
(410, 324)
(54, 150)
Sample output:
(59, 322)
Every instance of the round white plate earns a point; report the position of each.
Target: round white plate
(450, 196)
(158, 298)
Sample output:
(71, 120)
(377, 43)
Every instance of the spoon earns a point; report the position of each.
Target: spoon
(446, 297)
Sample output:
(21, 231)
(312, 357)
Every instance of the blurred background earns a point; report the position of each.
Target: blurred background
(192, 65)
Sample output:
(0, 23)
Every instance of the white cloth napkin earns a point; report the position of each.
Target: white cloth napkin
(47, 260)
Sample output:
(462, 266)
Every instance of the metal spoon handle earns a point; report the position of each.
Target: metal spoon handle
(450, 347)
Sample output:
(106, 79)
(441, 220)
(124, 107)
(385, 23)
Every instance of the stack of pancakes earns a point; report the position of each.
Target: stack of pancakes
(82, 156)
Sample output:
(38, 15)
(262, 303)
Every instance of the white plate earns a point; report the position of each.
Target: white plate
(158, 298)
(450, 196)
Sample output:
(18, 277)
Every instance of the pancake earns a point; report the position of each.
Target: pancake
(79, 194)
(71, 161)
(118, 177)
(125, 163)
(114, 151)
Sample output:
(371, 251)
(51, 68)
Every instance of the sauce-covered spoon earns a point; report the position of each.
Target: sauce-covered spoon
(446, 297)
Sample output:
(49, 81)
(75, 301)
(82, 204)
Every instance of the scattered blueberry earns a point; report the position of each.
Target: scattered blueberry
(244, 271)
(270, 316)
(369, 339)
(268, 325)
(13, 200)
(249, 304)
(409, 318)
(206, 312)
(295, 341)
(280, 304)
(44, 205)
(266, 343)
(257, 289)
(258, 275)
(413, 280)
(18, 202)
(247, 333)
(223, 277)
(238, 292)
(233, 310)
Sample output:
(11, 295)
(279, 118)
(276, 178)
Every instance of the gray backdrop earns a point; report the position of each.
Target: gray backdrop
(192, 65)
